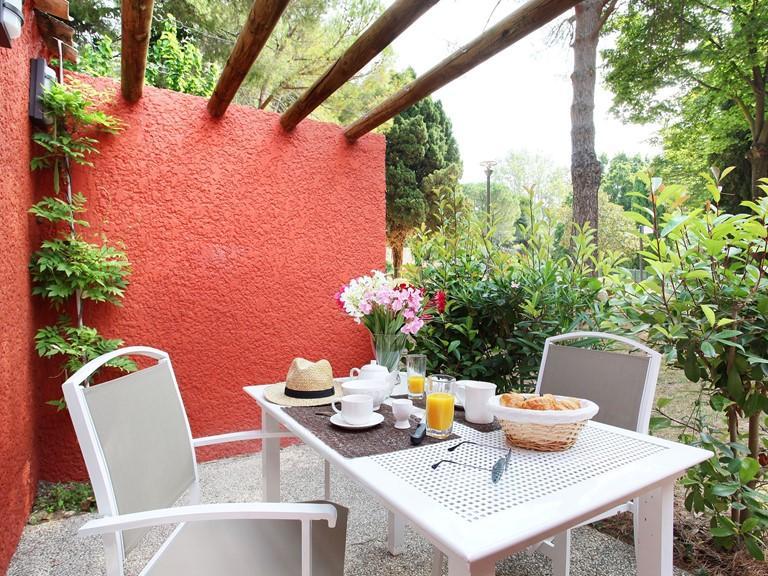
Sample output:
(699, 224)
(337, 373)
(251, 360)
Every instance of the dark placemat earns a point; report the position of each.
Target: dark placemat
(460, 416)
(380, 439)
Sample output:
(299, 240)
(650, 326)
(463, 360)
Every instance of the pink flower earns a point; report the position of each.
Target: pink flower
(409, 314)
(413, 326)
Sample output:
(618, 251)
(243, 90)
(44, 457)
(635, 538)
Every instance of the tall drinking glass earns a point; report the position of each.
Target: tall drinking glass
(416, 364)
(440, 390)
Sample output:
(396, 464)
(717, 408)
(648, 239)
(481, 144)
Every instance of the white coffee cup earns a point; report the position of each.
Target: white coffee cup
(355, 408)
(402, 408)
(476, 397)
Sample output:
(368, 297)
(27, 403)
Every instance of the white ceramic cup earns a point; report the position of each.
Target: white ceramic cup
(355, 408)
(476, 397)
(402, 408)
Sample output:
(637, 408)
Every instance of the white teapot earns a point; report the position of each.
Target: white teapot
(372, 371)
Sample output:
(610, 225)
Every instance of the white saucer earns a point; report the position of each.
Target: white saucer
(375, 420)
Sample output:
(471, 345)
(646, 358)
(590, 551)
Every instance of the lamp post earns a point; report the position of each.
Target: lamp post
(488, 165)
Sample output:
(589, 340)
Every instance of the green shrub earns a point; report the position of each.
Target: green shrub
(705, 303)
(502, 304)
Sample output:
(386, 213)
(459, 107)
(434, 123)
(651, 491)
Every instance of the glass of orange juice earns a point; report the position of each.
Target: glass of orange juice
(416, 364)
(440, 389)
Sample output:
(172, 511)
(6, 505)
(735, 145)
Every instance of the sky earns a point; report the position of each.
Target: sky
(519, 99)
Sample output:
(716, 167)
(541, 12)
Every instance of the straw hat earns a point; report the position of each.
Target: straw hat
(307, 384)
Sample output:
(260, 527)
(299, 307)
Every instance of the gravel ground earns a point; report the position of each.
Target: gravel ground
(54, 549)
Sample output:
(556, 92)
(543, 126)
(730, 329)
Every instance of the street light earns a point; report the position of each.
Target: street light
(488, 165)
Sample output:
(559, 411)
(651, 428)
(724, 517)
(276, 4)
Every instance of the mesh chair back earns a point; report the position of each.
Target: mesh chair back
(143, 433)
(614, 380)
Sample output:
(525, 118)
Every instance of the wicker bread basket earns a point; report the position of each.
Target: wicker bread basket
(542, 430)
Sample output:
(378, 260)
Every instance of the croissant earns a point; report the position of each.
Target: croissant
(568, 404)
(512, 400)
(545, 402)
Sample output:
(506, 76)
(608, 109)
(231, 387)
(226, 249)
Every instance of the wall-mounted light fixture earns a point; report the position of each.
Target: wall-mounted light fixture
(40, 77)
(11, 21)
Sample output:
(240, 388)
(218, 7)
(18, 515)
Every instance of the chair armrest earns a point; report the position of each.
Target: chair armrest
(238, 437)
(202, 512)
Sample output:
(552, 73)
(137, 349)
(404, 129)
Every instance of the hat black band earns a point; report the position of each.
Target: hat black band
(310, 393)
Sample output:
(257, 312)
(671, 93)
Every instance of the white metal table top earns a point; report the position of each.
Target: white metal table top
(464, 513)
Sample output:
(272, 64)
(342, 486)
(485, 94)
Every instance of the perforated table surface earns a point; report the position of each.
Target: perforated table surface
(476, 522)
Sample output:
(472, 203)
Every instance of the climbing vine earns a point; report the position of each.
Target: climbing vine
(71, 269)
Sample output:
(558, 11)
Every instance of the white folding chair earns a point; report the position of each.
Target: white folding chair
(622, 384)
(137, 445)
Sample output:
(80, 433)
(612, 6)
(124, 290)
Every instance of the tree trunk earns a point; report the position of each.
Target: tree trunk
(585, 167)
(758, 158)
(396, 240)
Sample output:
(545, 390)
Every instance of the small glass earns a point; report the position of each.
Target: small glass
(416, 364)
(440, 389)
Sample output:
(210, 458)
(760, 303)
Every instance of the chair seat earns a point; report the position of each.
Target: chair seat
(249, 548)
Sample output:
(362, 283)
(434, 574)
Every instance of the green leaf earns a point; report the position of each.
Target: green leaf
(708, 350)
(722, 531)
(725, 489)
(691, 365)
(638, 218)
(749, 469)
(754, 546)
(709, 313)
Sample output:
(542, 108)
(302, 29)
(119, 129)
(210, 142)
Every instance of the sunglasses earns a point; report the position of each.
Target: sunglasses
(498, 469)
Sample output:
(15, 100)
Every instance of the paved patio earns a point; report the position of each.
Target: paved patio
(54, 549)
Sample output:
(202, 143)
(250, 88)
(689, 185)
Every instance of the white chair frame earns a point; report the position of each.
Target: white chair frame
(112, 523)
(558, 549)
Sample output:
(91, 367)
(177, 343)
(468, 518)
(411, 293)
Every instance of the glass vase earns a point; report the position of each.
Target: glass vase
(389, 350)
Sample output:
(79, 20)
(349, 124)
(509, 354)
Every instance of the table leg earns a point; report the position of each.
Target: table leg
(327, 479)
(654, 531)
(460, 567)
(561, 554)
(395, 533)
(437, 561)
(270, 460)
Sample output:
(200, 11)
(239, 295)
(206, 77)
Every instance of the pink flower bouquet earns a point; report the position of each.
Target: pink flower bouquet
(386, 307)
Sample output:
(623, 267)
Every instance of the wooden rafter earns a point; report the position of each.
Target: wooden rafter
(50, 26)
(58, 8)
(136, 26)
(261, 21)
(376, 37)
(517, 25)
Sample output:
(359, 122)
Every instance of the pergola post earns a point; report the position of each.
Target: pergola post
(136, 26)
(517, 25)
(376, 38)
(261, 21)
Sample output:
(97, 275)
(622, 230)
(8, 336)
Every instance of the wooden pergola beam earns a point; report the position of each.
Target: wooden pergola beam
(136, 26)
(517, 25)
(261, 21)
(376, 37)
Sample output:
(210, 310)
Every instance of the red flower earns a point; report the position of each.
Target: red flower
(440, 301)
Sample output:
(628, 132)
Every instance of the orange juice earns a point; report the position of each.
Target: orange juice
(415, 384)
(440, 412)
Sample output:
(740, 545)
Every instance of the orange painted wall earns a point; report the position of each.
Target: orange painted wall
(18, 394)
(239, 236)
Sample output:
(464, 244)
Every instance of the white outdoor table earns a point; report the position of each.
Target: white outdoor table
(475, 522)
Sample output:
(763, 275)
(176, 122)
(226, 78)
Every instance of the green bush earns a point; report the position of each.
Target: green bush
(705, 303)
(503, 304)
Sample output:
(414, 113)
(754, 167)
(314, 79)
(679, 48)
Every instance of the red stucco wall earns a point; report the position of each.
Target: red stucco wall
(18, 395)
(239, 236)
